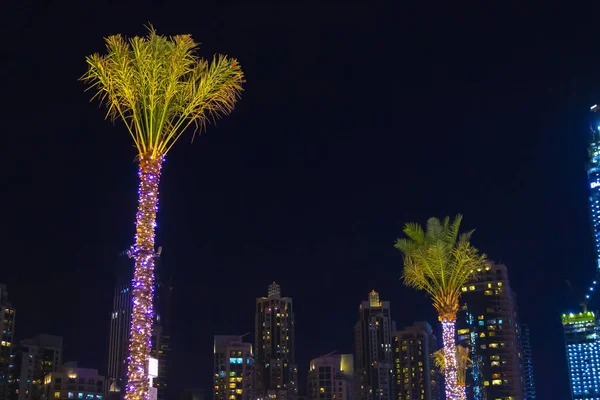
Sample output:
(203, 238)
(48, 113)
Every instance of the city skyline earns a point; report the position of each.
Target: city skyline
(374, 313)
(355, 120)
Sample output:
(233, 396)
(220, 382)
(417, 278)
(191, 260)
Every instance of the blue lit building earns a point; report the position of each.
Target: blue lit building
(593, 172)
(583, 354)
(528, 376)
(582, 329)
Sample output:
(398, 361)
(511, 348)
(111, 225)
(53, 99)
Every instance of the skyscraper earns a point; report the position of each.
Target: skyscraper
(120, 327)
(276, 369)
(234, 377)
(488, 325)
(593, 174)
(528, 377)
(415, 375)
(161, 335)
(373, 350)
(331, 377)
(34, 359)
(581, 329)
(7, 345)
(583, 354)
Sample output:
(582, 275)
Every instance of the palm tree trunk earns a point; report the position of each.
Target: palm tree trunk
(143, 280)
(450, 367)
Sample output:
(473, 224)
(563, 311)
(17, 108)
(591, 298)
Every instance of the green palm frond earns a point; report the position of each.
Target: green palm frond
(462, 362)
(439, 260)
(159, 86)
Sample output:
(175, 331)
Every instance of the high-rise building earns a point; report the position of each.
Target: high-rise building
(331, 377)
(161, 336)
(276, 369)
(488, 325)
(593, 174)
(71, 382)
(581, 330)
(120, 319)
(7, 345)
(583, 354)
(118, 348)
(528, 377)
(373, 359)
(234, 377)
(415, 375)
(34, 359)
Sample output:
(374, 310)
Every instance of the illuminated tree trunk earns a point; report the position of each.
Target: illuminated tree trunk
(450, 368)
(143, 280)
(463, 392)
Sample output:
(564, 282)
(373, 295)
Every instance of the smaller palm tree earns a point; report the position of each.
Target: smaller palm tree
(440, 260)
(462, 363)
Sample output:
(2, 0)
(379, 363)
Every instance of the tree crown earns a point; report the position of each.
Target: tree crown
(159, 86)
(439, 260)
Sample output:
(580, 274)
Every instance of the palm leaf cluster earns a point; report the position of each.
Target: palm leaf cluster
(159, 86)
(439, 260)
(462, 360)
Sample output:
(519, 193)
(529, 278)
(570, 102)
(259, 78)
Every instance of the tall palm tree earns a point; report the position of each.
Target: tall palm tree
(158, 86)
(462, 363)
(439, 260)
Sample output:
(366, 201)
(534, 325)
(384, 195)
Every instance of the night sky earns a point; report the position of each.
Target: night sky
(354, 121)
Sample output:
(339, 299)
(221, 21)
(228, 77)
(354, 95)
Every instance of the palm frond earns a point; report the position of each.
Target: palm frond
(462, 362)
(439, 260)
(159, 86)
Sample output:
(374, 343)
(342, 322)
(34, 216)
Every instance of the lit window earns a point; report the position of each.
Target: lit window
(497, 382)
(471, 287)
(463, 331)
(56, 395)
(464, 288)
(70, 395)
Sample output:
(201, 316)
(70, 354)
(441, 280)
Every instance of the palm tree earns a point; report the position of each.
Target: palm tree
(462, 363)
(439, 260)
(158, 86)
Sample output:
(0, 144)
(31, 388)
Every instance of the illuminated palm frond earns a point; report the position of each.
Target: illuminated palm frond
(439, 260)
(159, 86)
(462, 363)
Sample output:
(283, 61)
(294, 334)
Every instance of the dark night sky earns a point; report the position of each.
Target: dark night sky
(354, 120)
